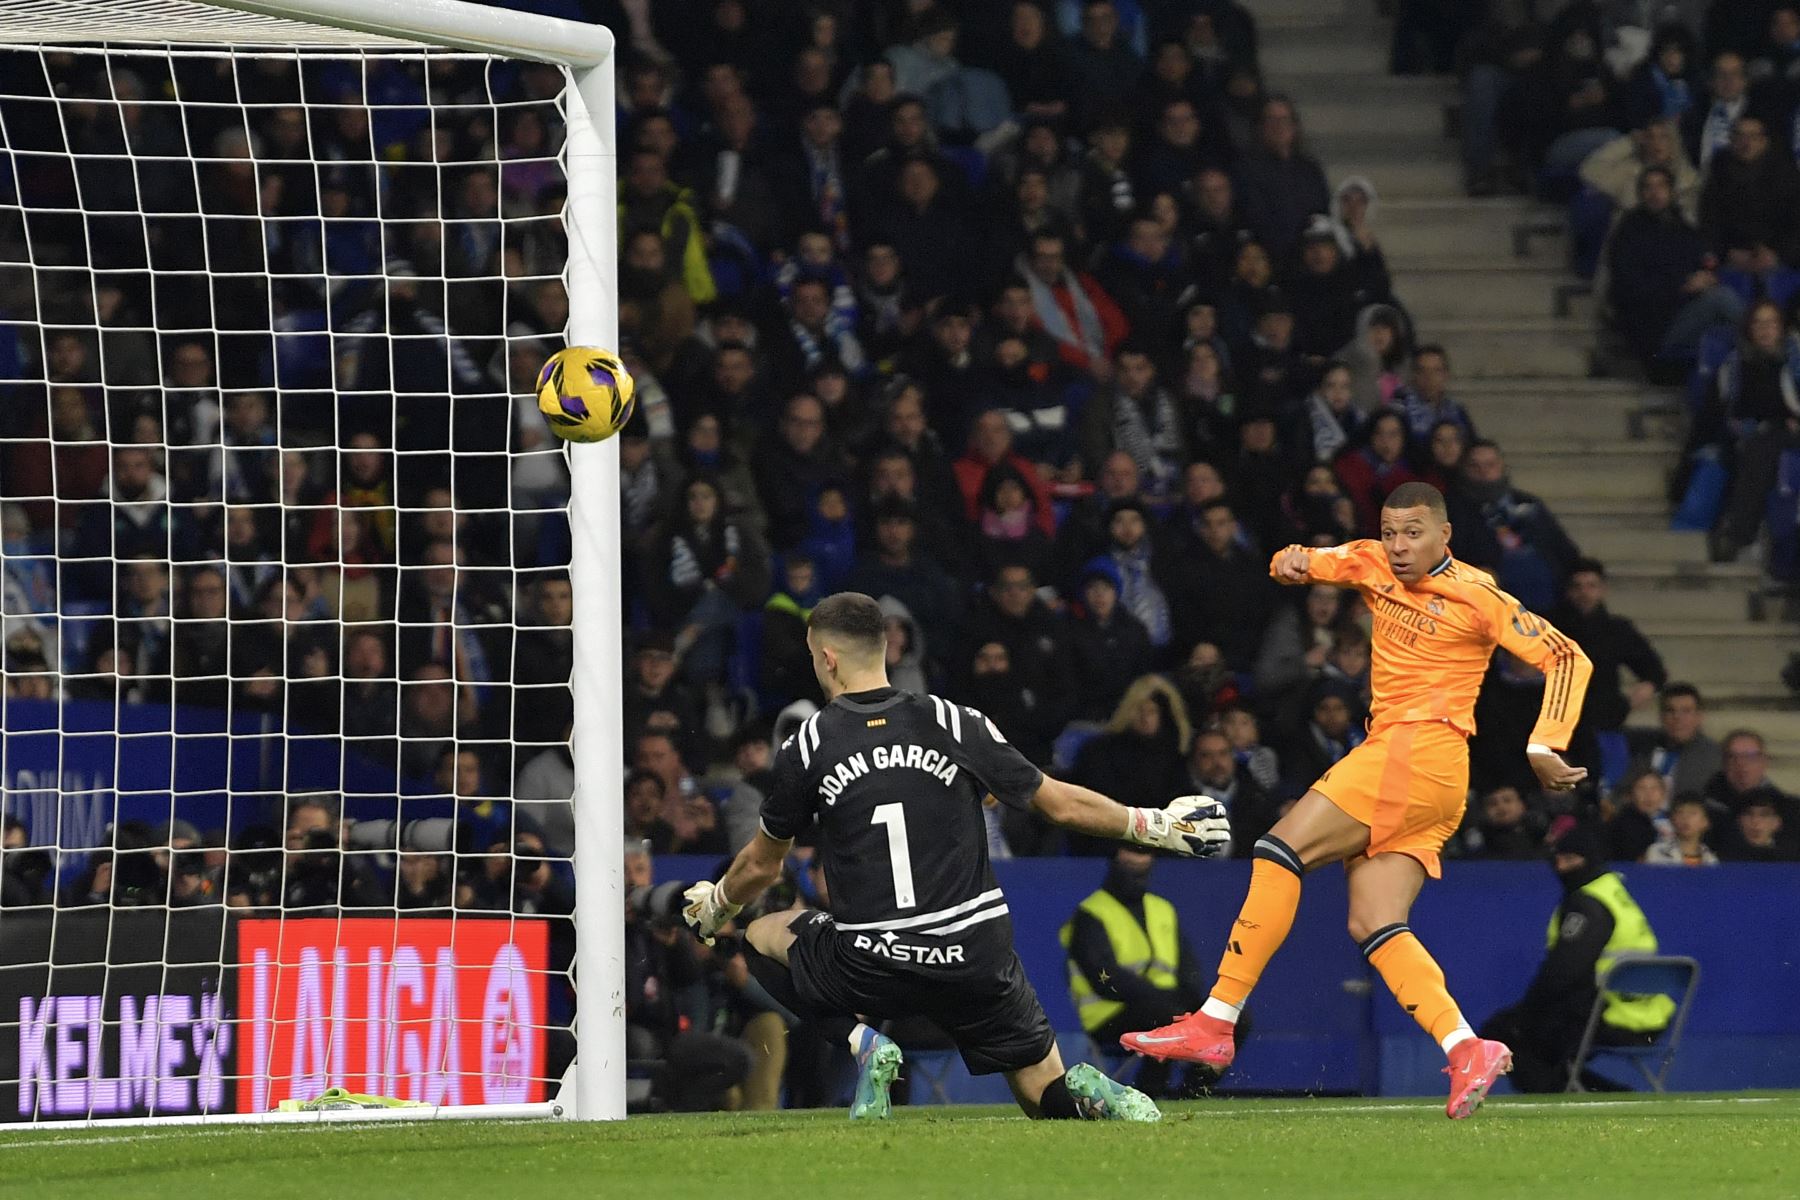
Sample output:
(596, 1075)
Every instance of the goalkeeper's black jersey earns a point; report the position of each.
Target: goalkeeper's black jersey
(896, 783)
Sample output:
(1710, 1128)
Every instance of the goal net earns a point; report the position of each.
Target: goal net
(285, 759)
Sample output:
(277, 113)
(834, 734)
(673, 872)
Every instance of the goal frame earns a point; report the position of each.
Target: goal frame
(594, 1089)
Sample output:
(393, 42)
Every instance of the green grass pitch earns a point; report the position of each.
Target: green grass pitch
(1545, 1149)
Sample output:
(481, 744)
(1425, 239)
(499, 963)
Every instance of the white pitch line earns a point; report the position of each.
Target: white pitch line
(1503, 1102)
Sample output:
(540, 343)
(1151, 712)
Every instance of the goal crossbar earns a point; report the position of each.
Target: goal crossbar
(371, 24)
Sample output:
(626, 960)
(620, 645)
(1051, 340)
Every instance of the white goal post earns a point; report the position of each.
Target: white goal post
(595, 1088)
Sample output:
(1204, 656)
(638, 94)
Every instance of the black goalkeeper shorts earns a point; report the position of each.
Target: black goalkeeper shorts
(985, 1004)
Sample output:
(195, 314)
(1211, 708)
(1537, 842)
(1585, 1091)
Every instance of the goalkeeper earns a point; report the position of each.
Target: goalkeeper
(896, 783)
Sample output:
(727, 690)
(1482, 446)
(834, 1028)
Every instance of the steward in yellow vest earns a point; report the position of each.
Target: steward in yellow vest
(1128, 963)
(1596, 922)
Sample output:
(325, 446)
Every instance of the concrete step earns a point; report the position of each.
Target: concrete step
(1644, 603)
(1582, 467)
(1728, 580)
(1609, 539)
(1426, 232)
(1547, 352)
(1730, 664)
(1307, 45)
(1438, 176)
(1358, 110)
(1412, 92)
(1491, 290)
(1273, 14)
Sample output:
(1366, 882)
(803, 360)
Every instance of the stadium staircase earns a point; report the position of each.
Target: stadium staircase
(1488, 279)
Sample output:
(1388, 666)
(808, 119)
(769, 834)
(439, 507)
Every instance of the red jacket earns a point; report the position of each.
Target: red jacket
(1367, 484)
(1113, 325)
(971, 473)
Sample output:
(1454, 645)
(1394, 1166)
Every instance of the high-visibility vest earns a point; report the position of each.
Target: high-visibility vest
(1631, 935)
(1152, 950)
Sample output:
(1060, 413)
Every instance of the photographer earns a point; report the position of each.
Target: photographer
(665, 990)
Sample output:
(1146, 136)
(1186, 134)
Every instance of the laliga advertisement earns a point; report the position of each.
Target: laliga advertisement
(448, 1012)
(135, 1012)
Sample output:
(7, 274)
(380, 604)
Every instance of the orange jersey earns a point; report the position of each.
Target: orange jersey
(1432, 641)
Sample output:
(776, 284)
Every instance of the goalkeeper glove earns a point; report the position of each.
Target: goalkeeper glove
(1192, 826)
(708, 910)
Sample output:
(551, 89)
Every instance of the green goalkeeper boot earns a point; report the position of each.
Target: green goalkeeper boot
(877, 1063)
(1104, 1099)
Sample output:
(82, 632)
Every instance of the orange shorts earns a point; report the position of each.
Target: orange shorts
(1409, 784)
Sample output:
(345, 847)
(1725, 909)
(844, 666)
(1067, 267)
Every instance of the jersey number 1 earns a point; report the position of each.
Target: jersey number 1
(899, 853)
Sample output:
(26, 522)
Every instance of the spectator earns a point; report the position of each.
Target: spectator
(787, 672)
(905, 648)
(1298, 638)
(1240, 725)
(1214, 772)
(1037, 646)
(1707, 124)
(830, 540)
(1035, 65)
(655, 698)
(921, 217)
(1641, 816)
(1137, 416)
(1745, 776)
(1508, 827)
(1427, 401)
(1664, 292)
(1616, 169)
(1753, 406)
(1008, 532)
(648, 200)
(1374, 468)
(1147, 279)
(1083, 531)
(1611, 643)
(1679, 751)
(939, 492)
(1686, 847)
(1329, 732)
(895, 566)
(945, 369)
(1353, 207)
(1110, 647)
(1105, 69)
(1130, 547)
(709, 570)
(1750, 207)
(1139, 756)
(1216, 227)
(1758, 834)
(1026, 378)
(1378, 357)
(990, 448)
(1325, 292)
(1280, 185)
(1072, 308)
(655, 311)
(1509, 531)
(1230, 590)
(705, 451)
(1180, 144)
(789, 470)
(1660, 88)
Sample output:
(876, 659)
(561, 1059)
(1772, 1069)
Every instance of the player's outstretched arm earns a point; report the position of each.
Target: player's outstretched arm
(710, 905)
(1340, 566)
(1192, 825)
(1566, 669)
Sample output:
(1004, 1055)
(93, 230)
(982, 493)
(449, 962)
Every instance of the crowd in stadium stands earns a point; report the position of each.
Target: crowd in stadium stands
(1672, 132)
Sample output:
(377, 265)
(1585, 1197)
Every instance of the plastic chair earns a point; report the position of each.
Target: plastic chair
(1674, 976)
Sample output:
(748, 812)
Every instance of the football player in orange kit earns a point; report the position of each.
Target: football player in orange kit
(1387, 808)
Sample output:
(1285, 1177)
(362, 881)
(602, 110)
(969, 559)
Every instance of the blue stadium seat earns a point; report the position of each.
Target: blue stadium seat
(1674, 976)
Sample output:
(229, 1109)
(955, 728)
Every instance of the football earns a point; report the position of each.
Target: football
(585, 394)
